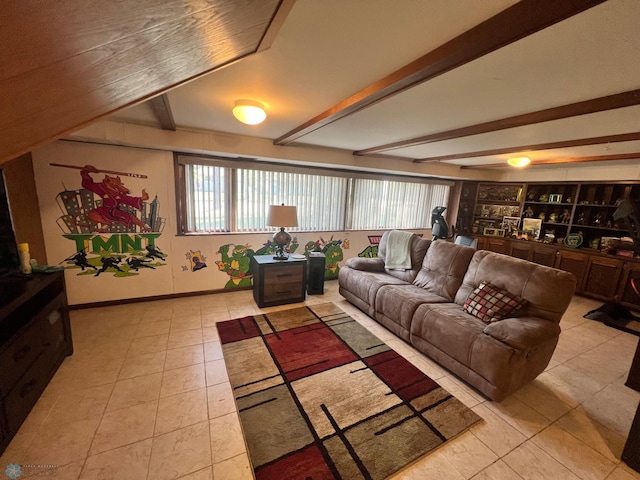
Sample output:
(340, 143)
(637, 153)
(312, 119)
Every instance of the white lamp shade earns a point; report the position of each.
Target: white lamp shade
(249, 112)
(282, 216)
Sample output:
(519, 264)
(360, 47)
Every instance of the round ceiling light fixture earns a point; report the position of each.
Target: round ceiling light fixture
(519, 161)
(249, 112)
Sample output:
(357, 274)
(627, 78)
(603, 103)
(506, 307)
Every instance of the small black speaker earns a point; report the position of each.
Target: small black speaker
(315, 282)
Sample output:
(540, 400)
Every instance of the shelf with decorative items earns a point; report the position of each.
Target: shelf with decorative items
(494, 202)
(468, 193)
(577, 215)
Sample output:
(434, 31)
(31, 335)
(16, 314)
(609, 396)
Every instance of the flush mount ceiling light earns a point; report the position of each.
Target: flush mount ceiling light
(249, 112)
(519, 161)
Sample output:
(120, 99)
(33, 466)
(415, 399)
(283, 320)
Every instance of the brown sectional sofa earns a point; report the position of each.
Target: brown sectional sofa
(424, 306)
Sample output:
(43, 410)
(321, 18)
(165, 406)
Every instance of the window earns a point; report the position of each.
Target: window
(222, 195)
(383, 204)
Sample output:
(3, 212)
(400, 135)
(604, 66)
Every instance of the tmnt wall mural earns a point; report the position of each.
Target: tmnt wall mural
(197, 261)
(113, 231)
(235, 260)
(372, 250)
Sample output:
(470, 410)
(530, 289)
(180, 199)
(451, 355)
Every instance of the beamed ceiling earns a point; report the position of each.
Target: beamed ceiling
(462, 82)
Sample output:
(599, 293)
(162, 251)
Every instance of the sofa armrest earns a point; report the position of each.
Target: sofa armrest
(524, 332)
(366, 264)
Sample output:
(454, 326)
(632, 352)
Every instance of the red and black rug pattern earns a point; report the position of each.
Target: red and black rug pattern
(321, 397)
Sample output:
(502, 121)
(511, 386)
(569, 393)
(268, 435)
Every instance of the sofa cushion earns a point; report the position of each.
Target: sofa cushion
(491, 304)
(397, 304)
(364, 285)
(547, 290)
(443, 268)
(419, 247)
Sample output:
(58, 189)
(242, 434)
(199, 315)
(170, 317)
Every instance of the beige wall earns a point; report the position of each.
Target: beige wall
(154, 173)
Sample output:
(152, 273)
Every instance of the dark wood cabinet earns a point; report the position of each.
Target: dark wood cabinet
(602, 277)
(277, 282)
(521, 250)
(498, 245)
(544, 255)
(573, 262)
(35, 336)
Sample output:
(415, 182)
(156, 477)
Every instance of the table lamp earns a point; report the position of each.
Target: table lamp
(282, 216)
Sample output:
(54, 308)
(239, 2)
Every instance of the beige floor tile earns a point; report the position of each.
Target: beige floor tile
(567, 391)
(216, 372)
(153, 344)
(210, 319)
(210, 334)
(542, 401)
(226, 437)
(519, 415)
(497, 471)
(144, 364)
(220, 400)
(125, 426)
(434, 465)
(236, 468)
(135, 391)
(532, 463)
(495, 432)
(578, 457)
(130, 461)
(182, 410)
(152, 328)
(204, 474)
(184, 356)
(183, 379)
(80, 405)
(597, 436)
(70, 471)
(623, 472)
(38, 414)
(180, 452)
(185, 338)
(62, 444)
(186, 323)
(468, 455)
(212, 351)
(614, 407)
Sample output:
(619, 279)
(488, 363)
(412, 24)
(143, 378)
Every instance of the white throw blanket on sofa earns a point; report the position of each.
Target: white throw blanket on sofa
(398, 250)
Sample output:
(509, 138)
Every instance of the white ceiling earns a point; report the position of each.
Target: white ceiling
(328, 50)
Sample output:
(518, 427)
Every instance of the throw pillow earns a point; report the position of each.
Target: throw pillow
(490, 303)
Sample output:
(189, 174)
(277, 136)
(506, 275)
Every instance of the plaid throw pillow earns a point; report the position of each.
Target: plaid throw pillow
(490, 303)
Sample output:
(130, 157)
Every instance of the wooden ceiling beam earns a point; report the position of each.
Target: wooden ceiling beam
(512, 24)
(623, 137)
(594, 105)
(556, 161)
(162, 110)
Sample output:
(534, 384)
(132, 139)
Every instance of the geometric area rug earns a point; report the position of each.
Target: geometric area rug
(321, 397)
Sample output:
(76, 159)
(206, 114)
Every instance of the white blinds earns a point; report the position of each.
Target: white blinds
(206, 199)
(378, 204)
(320, 200)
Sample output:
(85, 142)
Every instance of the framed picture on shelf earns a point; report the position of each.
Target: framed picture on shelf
(493, 232)
(532, 225)
(510, 224)
(555, 198)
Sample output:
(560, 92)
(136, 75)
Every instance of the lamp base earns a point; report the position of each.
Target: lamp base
(282, 240)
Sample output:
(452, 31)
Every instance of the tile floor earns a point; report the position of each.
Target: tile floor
(146, 396)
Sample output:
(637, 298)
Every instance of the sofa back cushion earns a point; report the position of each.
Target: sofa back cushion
(547, 291)
(443, 268)
(418, 247)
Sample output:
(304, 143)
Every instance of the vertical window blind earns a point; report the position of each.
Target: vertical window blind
(319, 200)
(385, 204)
(222, 197)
